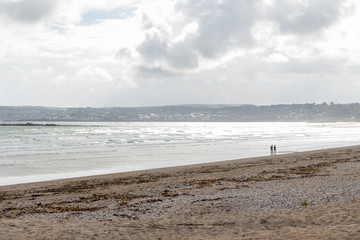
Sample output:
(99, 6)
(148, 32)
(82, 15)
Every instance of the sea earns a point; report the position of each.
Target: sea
(75, 149)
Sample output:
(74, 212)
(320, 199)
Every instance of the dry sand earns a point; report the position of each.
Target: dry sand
(310, 195)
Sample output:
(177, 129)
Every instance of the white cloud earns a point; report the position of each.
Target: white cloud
(94, 73)
(43, 71)
(59, 79)
(129, 50)
(276, 58)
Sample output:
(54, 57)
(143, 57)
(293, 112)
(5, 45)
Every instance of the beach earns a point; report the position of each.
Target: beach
(304, 195)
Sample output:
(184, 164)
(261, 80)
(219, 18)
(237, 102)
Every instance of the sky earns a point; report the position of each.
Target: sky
(111, 53)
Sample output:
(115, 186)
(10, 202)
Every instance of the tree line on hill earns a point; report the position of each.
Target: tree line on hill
(310, 112)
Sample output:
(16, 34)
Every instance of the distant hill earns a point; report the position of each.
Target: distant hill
(310, 112)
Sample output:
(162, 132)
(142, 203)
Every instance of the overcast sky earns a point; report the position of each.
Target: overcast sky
(166, 52)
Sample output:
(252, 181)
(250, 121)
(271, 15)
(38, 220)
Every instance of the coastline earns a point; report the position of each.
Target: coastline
(300, 195)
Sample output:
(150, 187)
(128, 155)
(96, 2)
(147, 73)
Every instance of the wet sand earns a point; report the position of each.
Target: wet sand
(309, 195)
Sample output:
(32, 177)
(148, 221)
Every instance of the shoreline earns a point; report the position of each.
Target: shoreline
(51, 179)
(302, 195)
(171, 168)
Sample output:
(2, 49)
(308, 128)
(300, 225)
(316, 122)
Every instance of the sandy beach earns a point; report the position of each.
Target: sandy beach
(308, 195)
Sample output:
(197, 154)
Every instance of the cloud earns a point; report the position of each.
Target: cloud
(197, 33)
(222, 24)
(276, 58)
(305, 17)
(93, 77)
(201, 30)
(183, 50)
(43, 71)
(27, 11)
(94, 73)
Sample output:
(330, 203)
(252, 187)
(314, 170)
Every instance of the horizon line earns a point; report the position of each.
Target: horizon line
(188, 104)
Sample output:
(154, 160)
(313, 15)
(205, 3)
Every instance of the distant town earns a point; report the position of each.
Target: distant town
(311, 112)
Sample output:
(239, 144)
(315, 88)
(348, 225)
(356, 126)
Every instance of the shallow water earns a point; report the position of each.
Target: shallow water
(37, 153)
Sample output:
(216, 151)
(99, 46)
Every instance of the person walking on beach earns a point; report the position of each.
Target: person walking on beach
(272, 149)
